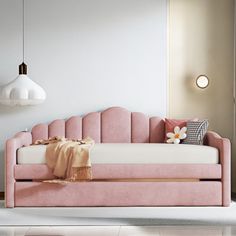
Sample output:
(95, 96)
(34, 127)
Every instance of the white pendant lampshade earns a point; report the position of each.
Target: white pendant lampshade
(22, 90)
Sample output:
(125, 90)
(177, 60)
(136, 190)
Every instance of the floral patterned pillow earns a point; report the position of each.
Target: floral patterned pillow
(177, 136)
(170, 124)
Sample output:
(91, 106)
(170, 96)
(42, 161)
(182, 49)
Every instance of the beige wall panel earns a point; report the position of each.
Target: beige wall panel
(201, 41)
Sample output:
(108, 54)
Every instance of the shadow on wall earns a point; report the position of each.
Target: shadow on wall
(189, 82)
(12, 110)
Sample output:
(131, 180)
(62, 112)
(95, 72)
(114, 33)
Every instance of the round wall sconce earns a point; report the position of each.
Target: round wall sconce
(202, 81)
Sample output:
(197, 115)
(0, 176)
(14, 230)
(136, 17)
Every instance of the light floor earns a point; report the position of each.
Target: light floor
(120, 231)
(118, 221)
(117, 216)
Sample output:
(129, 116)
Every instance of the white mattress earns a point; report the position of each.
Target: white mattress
(110, 153)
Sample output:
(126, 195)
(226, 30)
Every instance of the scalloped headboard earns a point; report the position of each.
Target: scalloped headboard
(113, 125)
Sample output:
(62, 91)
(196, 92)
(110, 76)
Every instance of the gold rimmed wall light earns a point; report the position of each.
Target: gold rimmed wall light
(202, 81)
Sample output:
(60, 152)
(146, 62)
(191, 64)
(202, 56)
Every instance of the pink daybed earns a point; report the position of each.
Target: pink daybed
(161, 175)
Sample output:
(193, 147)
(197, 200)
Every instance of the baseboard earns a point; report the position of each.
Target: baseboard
(2, 195)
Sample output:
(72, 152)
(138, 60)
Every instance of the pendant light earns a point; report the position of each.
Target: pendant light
(22, 90)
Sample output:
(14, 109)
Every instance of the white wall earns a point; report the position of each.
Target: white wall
(87, 54)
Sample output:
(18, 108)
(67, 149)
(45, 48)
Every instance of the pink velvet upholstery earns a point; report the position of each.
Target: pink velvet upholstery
(74, 128)
(119, 171)
(56, 128)
(117, 125)
(119, 194)
(19, 140)
(39, 131)
(92, 126)
(223, 145)
(157, 130)
(139, 128)
(27, 172)
(114, 125)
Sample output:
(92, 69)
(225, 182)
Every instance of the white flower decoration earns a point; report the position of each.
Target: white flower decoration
(178, 135)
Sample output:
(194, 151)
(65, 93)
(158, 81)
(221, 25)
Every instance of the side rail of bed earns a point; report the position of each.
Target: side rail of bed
(19, 140)
(223, 145)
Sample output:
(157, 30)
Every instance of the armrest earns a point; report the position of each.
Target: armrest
(223, 145)
(19, 140)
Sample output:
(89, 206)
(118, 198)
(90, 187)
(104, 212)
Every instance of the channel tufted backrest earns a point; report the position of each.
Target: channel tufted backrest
(114, 125)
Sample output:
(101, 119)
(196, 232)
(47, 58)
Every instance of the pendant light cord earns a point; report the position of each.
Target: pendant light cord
(23, 66)
(23, 29)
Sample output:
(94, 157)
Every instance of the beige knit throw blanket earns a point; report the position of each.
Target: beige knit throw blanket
(69, 159)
